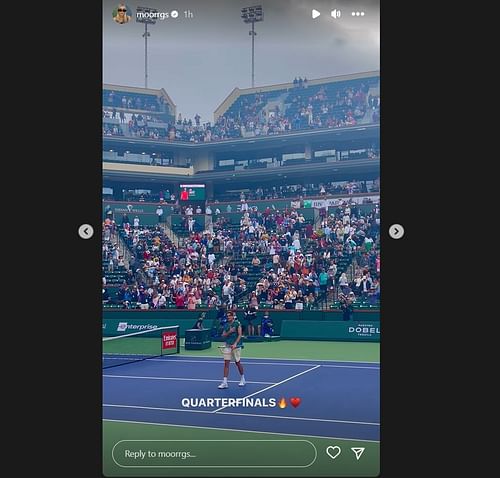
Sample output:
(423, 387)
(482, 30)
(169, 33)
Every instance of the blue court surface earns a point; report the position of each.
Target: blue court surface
(337, 399)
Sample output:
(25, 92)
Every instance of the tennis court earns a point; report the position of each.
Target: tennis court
(333, 385)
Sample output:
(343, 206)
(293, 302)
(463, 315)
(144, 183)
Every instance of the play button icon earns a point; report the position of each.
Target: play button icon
(85, 231)
(396, 231)
(315, 14)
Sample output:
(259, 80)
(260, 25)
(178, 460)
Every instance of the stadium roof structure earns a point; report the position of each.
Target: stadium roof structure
(233, 96)
(142, 91)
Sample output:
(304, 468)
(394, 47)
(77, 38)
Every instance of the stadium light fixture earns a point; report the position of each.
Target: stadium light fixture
(147, 16)
(252, 15)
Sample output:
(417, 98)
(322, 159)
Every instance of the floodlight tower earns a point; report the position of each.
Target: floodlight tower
(252, 15)
(147, 16)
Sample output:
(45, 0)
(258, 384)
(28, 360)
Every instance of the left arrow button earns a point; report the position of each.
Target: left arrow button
(85, 231)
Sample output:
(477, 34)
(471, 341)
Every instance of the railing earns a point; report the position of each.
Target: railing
(169, 232)
(122, 247)
(299, 132)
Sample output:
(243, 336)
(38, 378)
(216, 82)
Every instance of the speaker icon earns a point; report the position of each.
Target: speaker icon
(336, 13)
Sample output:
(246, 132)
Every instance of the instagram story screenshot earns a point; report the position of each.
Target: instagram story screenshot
(241, 238)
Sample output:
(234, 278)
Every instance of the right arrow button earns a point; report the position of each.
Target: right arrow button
(396, 231)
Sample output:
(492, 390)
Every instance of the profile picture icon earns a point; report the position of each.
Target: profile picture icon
(122, 14)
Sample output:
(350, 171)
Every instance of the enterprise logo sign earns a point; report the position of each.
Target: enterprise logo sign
(123, 326)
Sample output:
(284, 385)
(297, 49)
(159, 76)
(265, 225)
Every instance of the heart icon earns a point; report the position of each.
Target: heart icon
(333, 451)
(295, 401)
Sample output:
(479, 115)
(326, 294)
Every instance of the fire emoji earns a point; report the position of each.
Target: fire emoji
(282, 403)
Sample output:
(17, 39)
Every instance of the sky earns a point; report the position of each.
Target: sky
(199, 61)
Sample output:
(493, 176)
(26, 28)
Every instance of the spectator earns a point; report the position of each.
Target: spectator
(346, 305)
(180, 301)
(199, 322)
(191, 302)
(299, 301)
(256, 264)
(344, 283)
(366, 284)
(159, 213)
(368, 243)
(249, 318)
(309, 301)
(254, 301)
(267, 326)
(227, 291)
(211, 260)
(323, 281)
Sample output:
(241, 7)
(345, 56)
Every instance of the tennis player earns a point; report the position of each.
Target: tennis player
(233, 334)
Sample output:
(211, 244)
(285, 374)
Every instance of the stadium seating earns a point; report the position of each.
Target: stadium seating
(136, 101)
(186, 259)
(323, 104)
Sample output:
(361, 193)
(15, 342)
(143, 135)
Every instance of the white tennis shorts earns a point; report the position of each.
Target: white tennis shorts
(235, 354)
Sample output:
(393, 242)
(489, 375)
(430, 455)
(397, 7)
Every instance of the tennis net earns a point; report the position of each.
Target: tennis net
(137, 346)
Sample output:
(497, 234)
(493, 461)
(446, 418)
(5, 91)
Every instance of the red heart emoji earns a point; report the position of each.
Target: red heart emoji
(295, 401)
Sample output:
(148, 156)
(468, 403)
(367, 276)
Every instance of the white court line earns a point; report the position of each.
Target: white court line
(140, 407)
(350, 366)
(274, 385)
(278, 358)
(237, 430)
(301, 418)
(268, 363)
(178, 378)
(161, 409)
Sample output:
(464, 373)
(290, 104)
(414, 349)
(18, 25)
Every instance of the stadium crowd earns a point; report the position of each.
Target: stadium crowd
(302, 262)
(302, 190)
(131, 101)
(320, 110)
(320, 106)
(111, 130)
(299, 191)
(296, 265)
